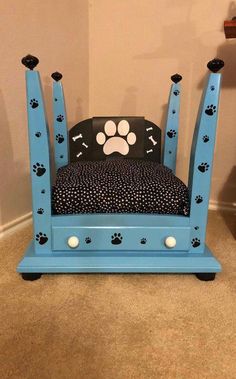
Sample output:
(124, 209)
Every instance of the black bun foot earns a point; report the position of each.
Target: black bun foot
(206, 276)
(31, 276)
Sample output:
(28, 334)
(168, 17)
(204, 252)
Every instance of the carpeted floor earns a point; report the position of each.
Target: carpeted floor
(119, 326)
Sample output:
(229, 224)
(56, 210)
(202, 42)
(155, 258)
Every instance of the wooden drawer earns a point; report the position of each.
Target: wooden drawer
(121, 238)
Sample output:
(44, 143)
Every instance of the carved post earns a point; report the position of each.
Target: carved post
(202, 154)
(59, 123)
(39, 158)
(172, 124)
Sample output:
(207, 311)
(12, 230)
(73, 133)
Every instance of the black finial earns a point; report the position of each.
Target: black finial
(215, 65)
(56, 76)
(176, 78)
(30, 61)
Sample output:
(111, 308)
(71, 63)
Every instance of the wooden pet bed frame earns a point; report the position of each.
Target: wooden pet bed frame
(175, 243)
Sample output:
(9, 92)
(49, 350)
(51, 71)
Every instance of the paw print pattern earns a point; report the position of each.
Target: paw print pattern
(116, 239)
(205, 138)
(59, 138)
(176, 92)
(210, 110)
(196, 227)
(203, 167)
(116, 138)
(41, 238)
(39, 169)
(198, 199)
(34, 103)
(38, 134)
(195, 242)
(40, 211)
(88, 240)
(60, 118)
(171, 133)
(143, 241)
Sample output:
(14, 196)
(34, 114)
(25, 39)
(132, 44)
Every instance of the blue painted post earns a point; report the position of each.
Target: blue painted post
(202, 153)
(39, 158)
(59, 123)
(172, 125)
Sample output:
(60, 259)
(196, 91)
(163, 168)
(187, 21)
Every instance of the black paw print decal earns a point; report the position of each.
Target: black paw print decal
(205, 138)
(116, 239)
(171, 133)
(60, 118)
(59, 138)
(203, 167)
(210, 110)
(41, 238)
(198, 199)
(176, 92)
(43, 191)
(88, 240)
(34, 103)
(195, 242)
(196, 227)
(40, 211)
(38, 134)
(143, 241)
(39, 169)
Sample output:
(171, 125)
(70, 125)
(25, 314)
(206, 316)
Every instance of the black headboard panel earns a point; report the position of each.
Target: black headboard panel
(100, 138)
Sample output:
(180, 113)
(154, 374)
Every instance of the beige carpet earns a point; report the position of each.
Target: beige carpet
(119, 326)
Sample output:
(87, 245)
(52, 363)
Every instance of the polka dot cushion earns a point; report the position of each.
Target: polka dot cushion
(119, 186)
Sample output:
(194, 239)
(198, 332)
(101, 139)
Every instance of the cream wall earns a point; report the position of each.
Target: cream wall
(135, 46)
(116, 57)
(57, 33)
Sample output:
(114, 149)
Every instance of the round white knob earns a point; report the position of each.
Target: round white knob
(170, 242)
(73, 242)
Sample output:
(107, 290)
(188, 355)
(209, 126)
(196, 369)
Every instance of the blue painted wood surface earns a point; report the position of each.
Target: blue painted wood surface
(201, 161)
(39, 162)
(118, 261)
(120, 219)
(59, 126)
(172, 128)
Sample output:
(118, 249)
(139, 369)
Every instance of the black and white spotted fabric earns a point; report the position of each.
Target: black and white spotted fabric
(119, 186)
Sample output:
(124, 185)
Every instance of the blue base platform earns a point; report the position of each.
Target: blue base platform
(118, 262)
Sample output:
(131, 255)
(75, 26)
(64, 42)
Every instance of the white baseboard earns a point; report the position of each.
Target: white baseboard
(16, 224)
(26, 219)
(222, 206)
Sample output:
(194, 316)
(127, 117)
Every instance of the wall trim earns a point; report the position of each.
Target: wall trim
(215, 205)
(14, 225)
(26, 219)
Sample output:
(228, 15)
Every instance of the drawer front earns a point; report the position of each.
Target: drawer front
(121, 238)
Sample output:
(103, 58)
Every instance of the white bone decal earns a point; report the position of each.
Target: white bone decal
(77, 137)
(147, 129)
(80, 153)
(152, 140)
(84, 144)
(149, 151)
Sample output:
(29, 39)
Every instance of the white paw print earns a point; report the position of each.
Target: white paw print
(112, 143)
